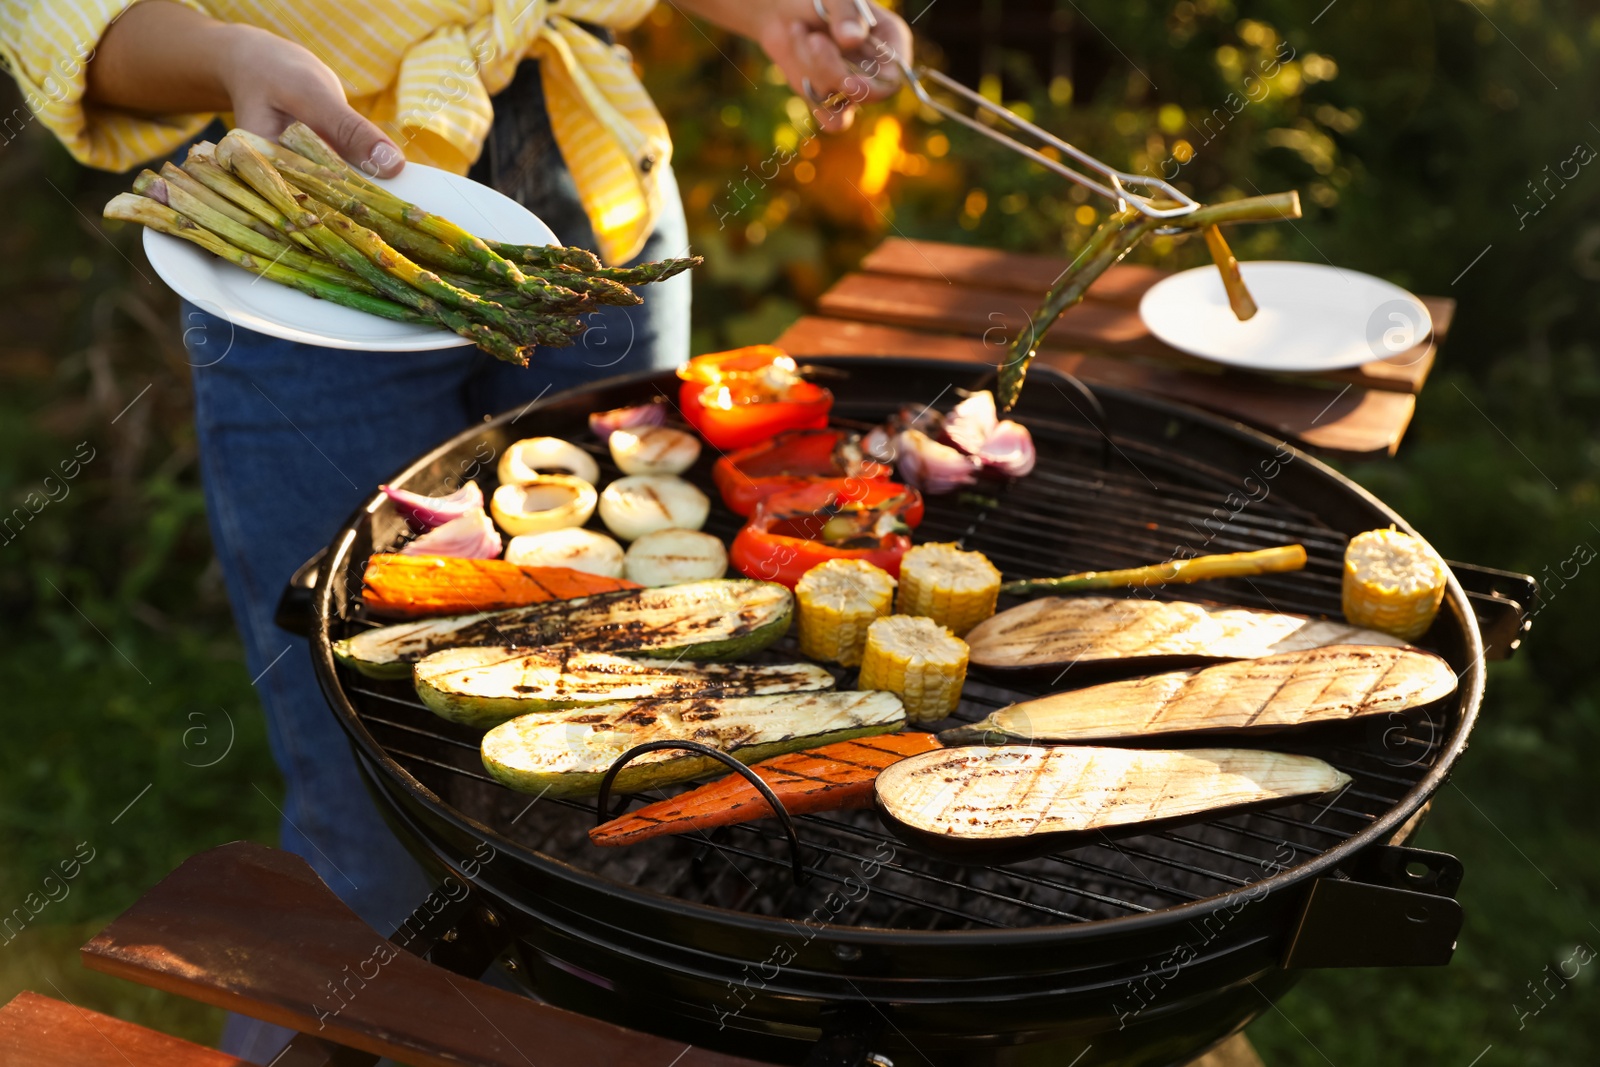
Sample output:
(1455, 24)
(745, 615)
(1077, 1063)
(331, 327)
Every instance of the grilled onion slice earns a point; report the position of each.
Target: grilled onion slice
(644, 503)
(668, 557)
(549, 502)
(654, 450)
(582, 550)
(527, 459)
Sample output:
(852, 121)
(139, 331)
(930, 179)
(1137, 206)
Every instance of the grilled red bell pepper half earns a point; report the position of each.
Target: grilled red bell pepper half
(790, 461)
(743, 397)
(829, 518)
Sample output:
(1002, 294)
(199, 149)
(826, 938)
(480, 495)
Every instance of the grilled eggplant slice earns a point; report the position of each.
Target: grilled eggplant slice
(485, 686)
(568, 753)
(831, 778)
(1275, 692)
(719, 619)
(991, 805)
(1056, 632)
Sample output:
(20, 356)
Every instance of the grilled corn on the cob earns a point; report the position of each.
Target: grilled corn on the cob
(921, 662)
(954, 588)
(1392, 582)
(837, 602)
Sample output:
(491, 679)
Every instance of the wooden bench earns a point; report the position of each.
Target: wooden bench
(254, 930)
(956, 302)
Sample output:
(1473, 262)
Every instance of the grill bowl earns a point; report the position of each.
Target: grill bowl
(1136, 951)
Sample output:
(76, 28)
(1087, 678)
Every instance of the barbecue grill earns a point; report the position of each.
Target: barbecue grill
(858, 948)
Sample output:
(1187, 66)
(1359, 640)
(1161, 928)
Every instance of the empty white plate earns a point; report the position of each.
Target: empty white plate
(1310, 317)
(244, 299)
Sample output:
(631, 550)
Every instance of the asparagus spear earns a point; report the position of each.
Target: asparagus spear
(1239, 298)
(570, 267)
(179, 196)
(1178, 571)
(203, 166)
(301, 138)
(253, 168)
(174, 175)
(131, 207)
(548, 256)
(1105, 247)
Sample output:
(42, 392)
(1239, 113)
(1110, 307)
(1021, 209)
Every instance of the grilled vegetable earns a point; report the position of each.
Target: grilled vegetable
(567, 753)
(640, 417)
(524, 461)
(409, 587)
(984, 804)
(835, 603)
(831, 778)
(738, 398)
(919, 661)
(424, 513)
(1392, 582)
(658, 450)
(830, 518)
(1293, 689)
(954, 588)
(472, 536)
(790, 461)
(668, 557)
(644, 503)
(1058, 631)
(1178, 571)
(484, 686)
(581, 550)
(698, 621)
(548, 502)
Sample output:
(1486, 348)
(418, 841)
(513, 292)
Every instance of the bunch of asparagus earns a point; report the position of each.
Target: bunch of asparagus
(1116, 238)
(297, 214)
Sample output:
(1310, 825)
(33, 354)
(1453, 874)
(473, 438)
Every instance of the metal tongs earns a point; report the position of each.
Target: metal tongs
(1163, 209)
(1120, 187)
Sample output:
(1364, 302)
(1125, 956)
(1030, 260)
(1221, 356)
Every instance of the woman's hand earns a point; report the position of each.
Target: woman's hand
(162, 57)
(812, 54)
(811, 51)
(273, 82)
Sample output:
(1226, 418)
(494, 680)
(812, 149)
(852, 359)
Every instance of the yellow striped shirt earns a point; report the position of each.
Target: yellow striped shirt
(424, 70)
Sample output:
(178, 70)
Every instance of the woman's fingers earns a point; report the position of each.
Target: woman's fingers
(826, 79)
(277, 82)
(355, 137)
(849, 21)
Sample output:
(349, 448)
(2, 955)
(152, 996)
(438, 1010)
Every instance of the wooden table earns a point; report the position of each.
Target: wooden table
(949, 301)
(254, 930)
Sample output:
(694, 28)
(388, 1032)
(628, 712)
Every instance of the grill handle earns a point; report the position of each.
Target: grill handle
(294, 612)
(602, 802)
(1395, 908)
(1505, 603)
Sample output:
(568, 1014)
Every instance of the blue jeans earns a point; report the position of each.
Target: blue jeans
(293, 437)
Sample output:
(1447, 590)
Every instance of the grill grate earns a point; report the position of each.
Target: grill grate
(1068, 515)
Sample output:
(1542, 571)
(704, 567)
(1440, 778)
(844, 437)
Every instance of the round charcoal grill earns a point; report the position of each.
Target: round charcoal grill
(1140, 950)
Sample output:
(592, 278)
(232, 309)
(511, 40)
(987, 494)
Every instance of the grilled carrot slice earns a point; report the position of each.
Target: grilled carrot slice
(829, 778)
(410, 587)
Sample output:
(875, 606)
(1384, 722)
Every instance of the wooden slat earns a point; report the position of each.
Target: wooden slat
(1348, 420)
(254, 930)
(1029, 276)
(38, 1031)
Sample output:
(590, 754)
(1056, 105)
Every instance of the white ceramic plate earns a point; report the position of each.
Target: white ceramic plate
(1310, 317)
(246, 300)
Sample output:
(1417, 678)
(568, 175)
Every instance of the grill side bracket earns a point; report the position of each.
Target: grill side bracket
(1398, 911)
